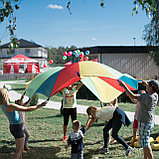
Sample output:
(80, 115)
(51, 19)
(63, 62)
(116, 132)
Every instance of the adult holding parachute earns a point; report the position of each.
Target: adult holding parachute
(11, 112)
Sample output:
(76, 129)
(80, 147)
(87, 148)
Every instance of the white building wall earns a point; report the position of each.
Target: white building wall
(34, 52)
(141, 66)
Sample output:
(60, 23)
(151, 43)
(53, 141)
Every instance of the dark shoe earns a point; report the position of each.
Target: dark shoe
(103, 150)
(129, 150)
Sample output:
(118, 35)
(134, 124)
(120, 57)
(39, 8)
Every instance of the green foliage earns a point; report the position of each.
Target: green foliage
(34, 100)
(69, 7)
(155, 54)
(151, 35)
(7, 9)
(13, 44)
(147, 5)
(57, 53)
(102, 3)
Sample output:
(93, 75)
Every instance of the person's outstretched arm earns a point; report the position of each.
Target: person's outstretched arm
(133, 100)
(129, 93)
(144, 83)
(88, 122)
(79, 86)
(12, 107)
(114, 102)
(91, 122)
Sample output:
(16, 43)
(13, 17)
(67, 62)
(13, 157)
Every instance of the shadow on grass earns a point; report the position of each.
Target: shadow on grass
(128, 138)
(44, 153)
(7, 142)
(155, 135)
(100, 124)
(98, 142)
(7, 151)
(38, 141)
(34, 153)
(47, 117)
(90, 153)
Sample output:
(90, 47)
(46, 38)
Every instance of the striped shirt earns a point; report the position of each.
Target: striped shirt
(76, 140)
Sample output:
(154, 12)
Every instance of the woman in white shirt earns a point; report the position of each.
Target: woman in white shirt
(115, 117)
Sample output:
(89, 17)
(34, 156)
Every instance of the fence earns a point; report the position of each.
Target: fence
(17, 76)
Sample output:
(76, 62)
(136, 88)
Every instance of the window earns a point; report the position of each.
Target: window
(13, 51)
(27, 51)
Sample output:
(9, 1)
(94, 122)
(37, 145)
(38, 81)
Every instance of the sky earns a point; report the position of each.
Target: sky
(48, 23)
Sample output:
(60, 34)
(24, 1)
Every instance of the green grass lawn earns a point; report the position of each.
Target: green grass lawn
(45, 142)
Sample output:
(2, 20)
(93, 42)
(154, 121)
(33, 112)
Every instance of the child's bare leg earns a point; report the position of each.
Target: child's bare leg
(65, 129)
(134, 135)
(19, 148)
(148, 153)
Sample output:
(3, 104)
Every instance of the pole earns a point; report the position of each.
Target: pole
(134, 41)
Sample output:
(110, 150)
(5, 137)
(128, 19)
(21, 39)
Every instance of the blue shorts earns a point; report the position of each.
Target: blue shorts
(144, 133)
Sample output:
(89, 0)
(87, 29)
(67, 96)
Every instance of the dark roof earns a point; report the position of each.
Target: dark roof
(116, 49)
(23, 44)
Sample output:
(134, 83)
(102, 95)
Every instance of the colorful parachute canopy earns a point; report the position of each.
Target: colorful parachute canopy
(100, 79)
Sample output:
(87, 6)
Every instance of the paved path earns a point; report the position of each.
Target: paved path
(56, 105)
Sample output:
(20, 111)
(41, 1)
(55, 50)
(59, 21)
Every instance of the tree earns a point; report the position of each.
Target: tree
(8, 7)
(57, 53)
(151, 35)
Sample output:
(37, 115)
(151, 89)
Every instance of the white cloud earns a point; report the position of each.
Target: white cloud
(94, 39)
(55, 6)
